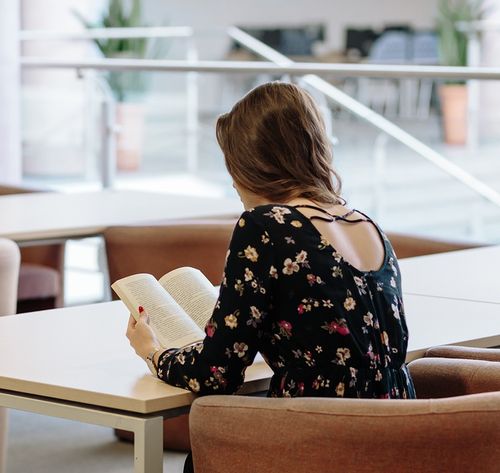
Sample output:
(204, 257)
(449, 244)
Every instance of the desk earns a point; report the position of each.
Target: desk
(48, 215)
(465, 275)
(77, 364)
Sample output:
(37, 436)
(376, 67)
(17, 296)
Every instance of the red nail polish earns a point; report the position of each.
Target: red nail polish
(141, 309)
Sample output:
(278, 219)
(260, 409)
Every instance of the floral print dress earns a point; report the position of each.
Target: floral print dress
(325, 328)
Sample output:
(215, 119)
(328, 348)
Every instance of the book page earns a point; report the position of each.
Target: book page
(193, 292)
(173, 327)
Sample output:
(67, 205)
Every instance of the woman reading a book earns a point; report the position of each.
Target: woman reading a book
(311, 284)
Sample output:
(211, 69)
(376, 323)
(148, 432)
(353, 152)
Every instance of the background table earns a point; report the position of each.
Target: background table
(50, 215)
(467, 275)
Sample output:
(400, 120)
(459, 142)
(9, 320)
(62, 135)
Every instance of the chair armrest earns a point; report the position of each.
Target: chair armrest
(470, 353)
(446, 377)
(406, 246)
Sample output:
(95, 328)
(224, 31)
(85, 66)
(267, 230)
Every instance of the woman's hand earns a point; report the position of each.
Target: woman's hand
(141, 335)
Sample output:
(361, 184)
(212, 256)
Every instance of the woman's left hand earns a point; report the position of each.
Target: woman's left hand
(141, 335)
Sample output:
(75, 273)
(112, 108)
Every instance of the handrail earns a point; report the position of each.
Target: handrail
(478, 26)
(108, 33)
(294, 68)
(364, 112)
(283, 65)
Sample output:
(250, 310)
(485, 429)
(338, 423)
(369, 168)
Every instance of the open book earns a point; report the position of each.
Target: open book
(178, 305)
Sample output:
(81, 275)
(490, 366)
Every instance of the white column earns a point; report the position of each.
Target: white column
(10, 135)
(489, 122)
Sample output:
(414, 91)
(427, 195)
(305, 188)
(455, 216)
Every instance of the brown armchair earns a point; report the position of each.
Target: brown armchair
(456, 433)
(407, 246)
(42, 269)
(468, 353)
(447, 377)
(249, 434)
(157, 249)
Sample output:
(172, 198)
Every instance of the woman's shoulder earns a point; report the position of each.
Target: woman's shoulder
(272, 214)
(273, 220)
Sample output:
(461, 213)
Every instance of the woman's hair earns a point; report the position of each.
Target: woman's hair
(275, 145)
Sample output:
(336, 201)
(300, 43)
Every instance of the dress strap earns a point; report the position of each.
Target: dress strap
(332, 217)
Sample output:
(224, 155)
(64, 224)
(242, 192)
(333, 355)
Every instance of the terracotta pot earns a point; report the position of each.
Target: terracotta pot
(454, 108)
(129, 143)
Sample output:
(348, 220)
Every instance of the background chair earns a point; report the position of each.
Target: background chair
(249, 434)
(9, 272)
(406, 246)
(469, 353)
(447, 377)
(42, 269)
(157, 249)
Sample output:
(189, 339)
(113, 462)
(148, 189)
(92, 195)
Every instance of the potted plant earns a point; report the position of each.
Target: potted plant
(127, 87)
(453, 52)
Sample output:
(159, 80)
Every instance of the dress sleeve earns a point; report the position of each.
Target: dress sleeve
(217, 364)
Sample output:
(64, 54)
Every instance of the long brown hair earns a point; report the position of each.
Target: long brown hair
(275, 145)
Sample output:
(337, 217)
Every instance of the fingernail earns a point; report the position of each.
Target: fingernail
(141, 309)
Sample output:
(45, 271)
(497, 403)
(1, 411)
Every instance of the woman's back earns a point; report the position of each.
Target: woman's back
(334, 330)
(325, 327)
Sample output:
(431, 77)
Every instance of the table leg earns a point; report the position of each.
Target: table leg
(148, 446)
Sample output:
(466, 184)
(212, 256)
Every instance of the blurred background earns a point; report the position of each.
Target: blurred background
(56, 124)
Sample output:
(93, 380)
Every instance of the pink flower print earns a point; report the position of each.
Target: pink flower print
(300, 388)
(240, 349)
(285, 328)
(336, 326)
(290, 267)
(300, 309)
(313, 279)
(210, 329)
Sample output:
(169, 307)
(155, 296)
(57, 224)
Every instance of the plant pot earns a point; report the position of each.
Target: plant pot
(129, 143)
(454, 109)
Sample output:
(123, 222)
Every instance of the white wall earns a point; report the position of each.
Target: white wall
(10, 153)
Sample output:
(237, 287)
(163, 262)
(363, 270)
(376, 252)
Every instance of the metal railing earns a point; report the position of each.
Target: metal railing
(280, 64)
(109, 128)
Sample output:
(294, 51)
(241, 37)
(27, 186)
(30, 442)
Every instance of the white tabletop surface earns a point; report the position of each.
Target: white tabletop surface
(81, 354)
(467, 274)
(46, 215)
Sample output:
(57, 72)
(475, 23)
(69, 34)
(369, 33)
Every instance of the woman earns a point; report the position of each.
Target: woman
(310, 284)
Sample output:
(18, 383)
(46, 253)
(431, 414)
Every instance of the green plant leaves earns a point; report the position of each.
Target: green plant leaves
(452, 42)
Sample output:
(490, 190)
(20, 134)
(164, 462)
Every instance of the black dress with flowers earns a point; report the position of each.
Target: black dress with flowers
(325, 328)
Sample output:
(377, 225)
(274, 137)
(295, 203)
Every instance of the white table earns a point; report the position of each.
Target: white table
(466, 275)
(77, 364)
(50, 215)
